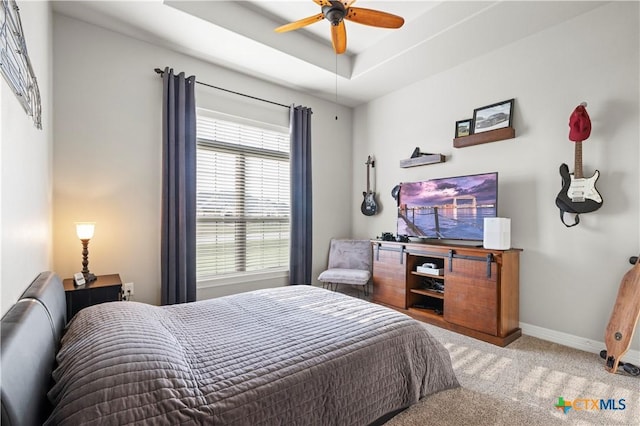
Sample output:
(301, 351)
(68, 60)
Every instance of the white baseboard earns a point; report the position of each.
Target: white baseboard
(587, 345)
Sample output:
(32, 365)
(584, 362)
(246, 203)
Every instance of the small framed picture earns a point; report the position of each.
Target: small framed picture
(464, 127)
(492, 117)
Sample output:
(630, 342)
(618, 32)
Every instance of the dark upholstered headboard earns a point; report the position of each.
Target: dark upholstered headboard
(31, 332)
(48, 289)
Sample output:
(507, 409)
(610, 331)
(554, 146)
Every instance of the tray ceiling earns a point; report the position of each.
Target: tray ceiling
(239, 35)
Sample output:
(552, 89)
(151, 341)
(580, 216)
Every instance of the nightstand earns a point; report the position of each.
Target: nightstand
(106, 288)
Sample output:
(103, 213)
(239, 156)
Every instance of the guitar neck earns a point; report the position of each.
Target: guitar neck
(577, 170)
(368, 163)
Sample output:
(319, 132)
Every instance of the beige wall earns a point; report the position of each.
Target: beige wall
(569, 277)
(25, 167)
(108, 152)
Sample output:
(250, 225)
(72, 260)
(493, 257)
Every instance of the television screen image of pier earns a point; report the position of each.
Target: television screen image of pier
(448, 208)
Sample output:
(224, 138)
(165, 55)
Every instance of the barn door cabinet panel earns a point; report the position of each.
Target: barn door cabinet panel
(471, 290)
(472, 296)
(389, 275)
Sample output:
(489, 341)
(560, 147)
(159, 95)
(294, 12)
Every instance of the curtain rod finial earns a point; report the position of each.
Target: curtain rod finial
(158, 70)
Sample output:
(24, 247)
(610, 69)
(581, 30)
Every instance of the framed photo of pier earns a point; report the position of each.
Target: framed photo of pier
(492, 117)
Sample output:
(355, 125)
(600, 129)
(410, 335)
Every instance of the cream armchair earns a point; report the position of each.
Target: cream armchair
(349, 263)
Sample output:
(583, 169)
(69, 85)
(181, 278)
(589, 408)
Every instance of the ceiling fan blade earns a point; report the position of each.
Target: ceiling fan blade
(374, 18)
(339, 37)
(322, 2)
(299, 24)
(348, 3)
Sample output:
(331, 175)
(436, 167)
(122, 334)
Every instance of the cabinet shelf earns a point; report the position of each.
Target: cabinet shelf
(485, 137)
(424, 274)
(428, 313)
(425, 292)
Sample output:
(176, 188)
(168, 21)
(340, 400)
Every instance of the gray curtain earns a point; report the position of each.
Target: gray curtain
(178, 245)
(301, 196)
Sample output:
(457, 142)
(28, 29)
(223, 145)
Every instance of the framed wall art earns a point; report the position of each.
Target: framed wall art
(464, 127)
(492, 117)
(15, 65)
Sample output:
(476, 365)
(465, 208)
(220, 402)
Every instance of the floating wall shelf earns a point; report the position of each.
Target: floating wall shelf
(422, 160)
(485, 137)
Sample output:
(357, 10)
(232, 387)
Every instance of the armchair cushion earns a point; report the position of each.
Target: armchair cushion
(345, 276)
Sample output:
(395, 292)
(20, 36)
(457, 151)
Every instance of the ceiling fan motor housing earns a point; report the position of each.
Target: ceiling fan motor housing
(334, 13)
(337, 12)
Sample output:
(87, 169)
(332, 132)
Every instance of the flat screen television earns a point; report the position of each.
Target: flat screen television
(450, 208)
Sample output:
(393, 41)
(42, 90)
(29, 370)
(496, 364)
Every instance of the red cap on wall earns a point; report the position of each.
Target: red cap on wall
(579, 124)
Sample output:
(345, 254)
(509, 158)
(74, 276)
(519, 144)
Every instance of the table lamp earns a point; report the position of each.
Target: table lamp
(84, 230)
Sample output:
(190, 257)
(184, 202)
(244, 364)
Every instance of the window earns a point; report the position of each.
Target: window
(243, 196)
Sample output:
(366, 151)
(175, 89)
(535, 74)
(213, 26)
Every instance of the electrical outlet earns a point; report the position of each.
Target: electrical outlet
(127, 289)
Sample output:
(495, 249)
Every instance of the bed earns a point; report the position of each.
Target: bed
(295, 355)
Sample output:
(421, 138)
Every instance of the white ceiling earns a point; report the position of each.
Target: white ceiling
(239, 35)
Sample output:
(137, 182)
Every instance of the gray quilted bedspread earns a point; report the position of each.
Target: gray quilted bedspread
(295, 355)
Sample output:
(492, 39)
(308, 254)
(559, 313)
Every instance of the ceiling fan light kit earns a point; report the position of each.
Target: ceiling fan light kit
(336, 12)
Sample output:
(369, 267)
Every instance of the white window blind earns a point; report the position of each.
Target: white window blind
(243, 198)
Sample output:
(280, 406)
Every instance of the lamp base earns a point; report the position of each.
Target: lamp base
(89, 277)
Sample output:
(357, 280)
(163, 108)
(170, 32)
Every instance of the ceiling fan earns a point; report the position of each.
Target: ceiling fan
(336, 12)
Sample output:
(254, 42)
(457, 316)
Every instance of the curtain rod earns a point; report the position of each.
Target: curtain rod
(159, 71)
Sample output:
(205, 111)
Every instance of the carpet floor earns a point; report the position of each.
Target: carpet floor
(521, 385)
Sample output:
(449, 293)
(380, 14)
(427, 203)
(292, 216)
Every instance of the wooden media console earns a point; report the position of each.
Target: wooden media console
(473, 291)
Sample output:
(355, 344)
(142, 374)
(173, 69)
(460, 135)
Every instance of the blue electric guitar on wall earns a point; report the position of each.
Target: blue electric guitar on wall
(369, 206)
(578, 194)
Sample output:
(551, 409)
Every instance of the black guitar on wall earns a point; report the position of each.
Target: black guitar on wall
(578, 194)
(369, 206)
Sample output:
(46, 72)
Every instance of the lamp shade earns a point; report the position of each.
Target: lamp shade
(85, 230)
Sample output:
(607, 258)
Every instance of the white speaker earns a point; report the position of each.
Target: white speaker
(497, 233)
